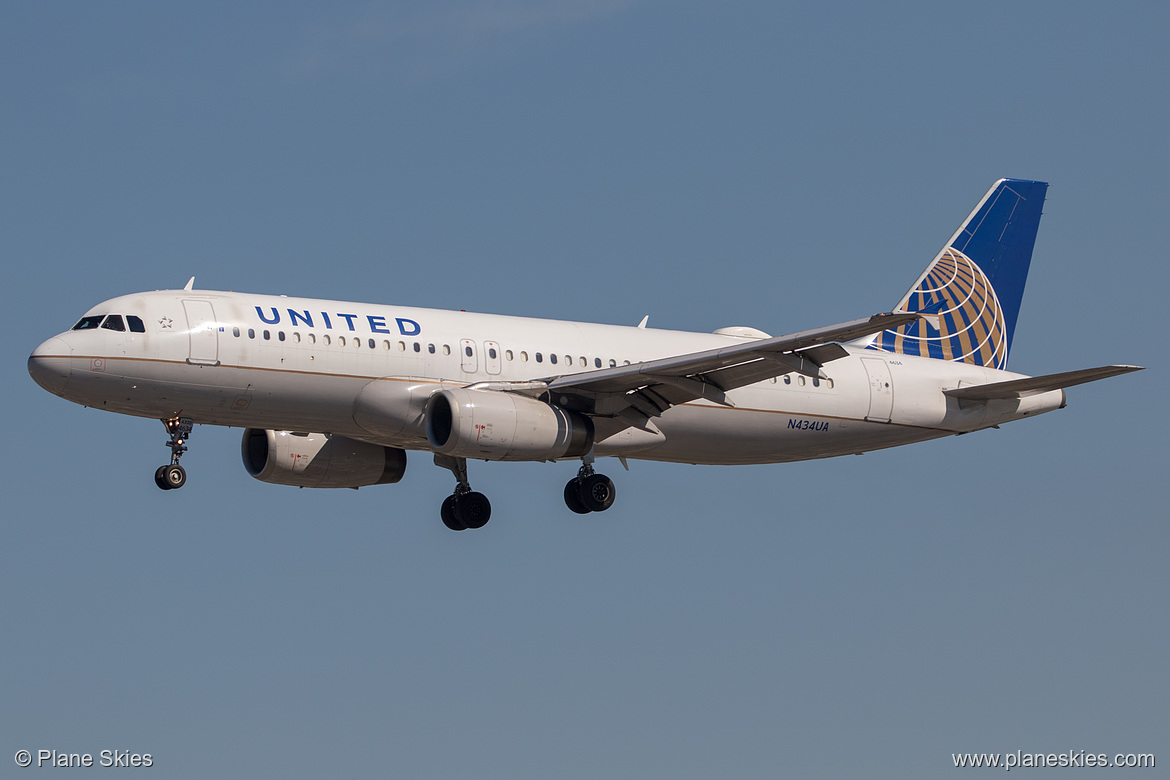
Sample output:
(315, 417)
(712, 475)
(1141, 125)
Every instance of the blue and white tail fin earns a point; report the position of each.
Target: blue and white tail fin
(972, 290)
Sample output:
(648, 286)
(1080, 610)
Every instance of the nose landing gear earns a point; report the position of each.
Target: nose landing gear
(172, 476)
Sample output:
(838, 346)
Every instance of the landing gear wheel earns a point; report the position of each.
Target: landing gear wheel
(448, 513)
(573, 496)
(473, 509)
(170, 477)
(596, 493)
(464, 508)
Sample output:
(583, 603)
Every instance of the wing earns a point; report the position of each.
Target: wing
(640, 391)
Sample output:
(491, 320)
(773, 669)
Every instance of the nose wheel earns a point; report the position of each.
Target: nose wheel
(172, 476)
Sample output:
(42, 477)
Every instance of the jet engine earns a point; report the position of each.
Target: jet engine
(493, 425)
(319, 460)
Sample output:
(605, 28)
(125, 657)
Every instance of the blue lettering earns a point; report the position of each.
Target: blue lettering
(407, 327)
(293, 316)
(793, 423)
(328, 324)
(275, 315)
(378, 324)
(349, 318)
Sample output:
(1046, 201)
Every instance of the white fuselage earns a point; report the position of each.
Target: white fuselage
(365, 371)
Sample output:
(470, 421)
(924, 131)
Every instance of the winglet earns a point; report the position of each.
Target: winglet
(190, 285)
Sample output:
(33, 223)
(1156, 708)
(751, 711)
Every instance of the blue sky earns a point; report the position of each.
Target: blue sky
(708, 164)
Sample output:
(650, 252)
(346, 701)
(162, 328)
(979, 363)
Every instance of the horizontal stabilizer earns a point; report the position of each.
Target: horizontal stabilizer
(1019, 388)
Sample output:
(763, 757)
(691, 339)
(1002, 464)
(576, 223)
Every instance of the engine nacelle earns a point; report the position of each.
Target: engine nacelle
(318, 460)
(493, 425)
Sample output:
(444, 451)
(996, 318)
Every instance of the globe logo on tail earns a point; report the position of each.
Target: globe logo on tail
(962, 317)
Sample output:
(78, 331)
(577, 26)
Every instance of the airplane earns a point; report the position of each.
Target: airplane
(332, 394)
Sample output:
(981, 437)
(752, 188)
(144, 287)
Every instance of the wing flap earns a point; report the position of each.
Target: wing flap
(1021, 388)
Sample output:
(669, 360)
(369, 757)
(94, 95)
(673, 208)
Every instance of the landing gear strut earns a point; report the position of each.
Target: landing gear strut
(589, 492)
(172, 477)
(464, 508)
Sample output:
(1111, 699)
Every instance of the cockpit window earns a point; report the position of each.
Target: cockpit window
(114, 322)
(135, 324)
(89, 323)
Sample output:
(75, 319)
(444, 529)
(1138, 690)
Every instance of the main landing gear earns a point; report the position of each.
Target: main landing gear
(172, 477)
(589, 492)
(464, 508)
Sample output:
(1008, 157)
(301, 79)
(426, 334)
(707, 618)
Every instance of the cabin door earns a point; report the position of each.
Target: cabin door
(881, 390)
(204, 333)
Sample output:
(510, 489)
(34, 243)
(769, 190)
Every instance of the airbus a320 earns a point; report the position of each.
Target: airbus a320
(333, 394)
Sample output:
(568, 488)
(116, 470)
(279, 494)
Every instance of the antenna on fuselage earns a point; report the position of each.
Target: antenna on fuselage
(190, 285)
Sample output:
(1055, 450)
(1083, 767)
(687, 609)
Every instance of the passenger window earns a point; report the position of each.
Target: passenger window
(539, 358)
(402, 346)
(417, 347)
(136, 325)
(568, 360)
(829, 383)
(584, 362)
(251, 333)
(386, 344)
(114, 322)
(341, 341)
(492, 353)
(552, 359)
(267, 336)
(371, 343)
(787, 379)
(612, 363)
(523, 357)
(297, 336)
(235, 331)
(312, 338)
(816, 382)
(597, 362)
(280, 335)
(88, 323)
(467, 351)
(800, 381)
(508, 354)
(446, 349)
(431, 348)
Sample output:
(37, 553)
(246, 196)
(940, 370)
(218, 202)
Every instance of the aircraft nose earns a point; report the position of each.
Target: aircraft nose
(49, 363)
